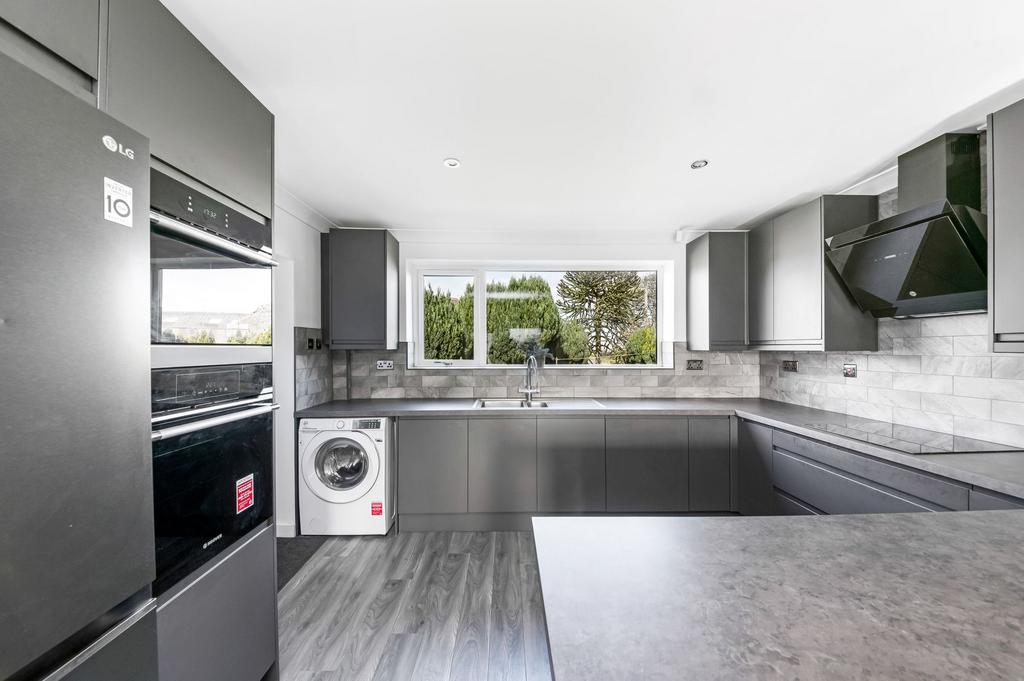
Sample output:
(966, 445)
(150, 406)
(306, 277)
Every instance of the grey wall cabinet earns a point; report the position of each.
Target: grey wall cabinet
(648, 465)
(716, 291)
(754, 457)
(223, 626)
(1006, 228)
(503, 465)
(710, 464)
(68, 28)
(359, 296)
(992, 501)
(200, 119)
(760, 283)
(433, 466)
(570, 465)
(796, 300)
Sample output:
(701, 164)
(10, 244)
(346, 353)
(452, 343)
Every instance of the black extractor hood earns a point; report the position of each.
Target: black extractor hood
(929, 259)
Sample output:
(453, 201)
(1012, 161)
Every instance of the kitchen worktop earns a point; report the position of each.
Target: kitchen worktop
(887, 596)
(999, 471)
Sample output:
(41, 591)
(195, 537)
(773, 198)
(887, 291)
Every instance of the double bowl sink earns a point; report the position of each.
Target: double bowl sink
(536, 404)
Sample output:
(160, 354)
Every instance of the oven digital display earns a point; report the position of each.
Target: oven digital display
(202, 386)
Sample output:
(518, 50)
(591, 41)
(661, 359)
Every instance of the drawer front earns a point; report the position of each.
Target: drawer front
(939, 491)
(223, 627)
(832, 492)
(787, 505)
(991, 501)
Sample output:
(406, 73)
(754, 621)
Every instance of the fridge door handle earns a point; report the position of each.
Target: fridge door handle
(102, 642)
(201, 235)
(186, 428)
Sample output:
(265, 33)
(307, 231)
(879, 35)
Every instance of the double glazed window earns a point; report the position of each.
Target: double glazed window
(495, 316)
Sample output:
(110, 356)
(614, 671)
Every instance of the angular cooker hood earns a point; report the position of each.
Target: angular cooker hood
(930, 259)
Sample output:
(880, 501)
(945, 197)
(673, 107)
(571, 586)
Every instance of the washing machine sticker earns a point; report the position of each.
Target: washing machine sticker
(244, 493)
(376, 508)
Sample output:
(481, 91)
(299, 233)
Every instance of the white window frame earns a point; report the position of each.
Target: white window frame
(417, 270)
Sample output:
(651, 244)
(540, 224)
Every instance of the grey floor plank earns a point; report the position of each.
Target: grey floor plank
(469, 659)
(310, 636)
(506, 660)
(535, 634)
(399, 657)
(464, 606)
(445, 594)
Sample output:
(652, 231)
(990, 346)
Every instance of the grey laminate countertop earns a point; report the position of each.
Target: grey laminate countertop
(1001, 472)
(890, 596)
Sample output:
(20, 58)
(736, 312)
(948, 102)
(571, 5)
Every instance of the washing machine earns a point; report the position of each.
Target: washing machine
(347, 470)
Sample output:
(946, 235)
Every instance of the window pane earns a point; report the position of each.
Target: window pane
(577, 317)
(447, 317)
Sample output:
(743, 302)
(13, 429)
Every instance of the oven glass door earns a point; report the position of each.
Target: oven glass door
(201, 296)
(211, 487)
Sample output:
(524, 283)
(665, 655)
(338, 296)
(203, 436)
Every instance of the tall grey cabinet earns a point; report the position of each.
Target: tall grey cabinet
(200, 119)
(797, 302)
(359, 295)
(716, 291)
(1006, 228)
(68, 28)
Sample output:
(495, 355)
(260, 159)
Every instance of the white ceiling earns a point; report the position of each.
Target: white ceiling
(581, 117)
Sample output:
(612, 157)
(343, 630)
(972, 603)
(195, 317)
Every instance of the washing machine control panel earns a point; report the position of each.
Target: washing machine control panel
(366, 424)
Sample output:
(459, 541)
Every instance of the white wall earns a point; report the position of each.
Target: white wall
(297, 230)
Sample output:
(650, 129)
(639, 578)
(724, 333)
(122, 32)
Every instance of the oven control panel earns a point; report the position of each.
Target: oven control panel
(186, 387)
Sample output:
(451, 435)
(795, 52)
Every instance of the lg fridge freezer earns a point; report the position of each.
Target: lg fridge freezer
(76, 506)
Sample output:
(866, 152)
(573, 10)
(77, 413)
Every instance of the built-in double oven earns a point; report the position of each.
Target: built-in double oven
(211, 268)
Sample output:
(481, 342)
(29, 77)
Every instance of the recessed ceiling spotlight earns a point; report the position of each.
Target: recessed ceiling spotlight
(699, 163)
(452, 163)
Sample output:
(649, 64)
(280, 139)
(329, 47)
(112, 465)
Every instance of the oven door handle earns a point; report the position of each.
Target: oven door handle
(201, 235)
(186, 428)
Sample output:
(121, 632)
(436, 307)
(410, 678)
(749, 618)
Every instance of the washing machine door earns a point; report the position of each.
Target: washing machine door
(341, 467)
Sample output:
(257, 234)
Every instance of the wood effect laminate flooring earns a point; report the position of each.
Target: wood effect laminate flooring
(458, 606)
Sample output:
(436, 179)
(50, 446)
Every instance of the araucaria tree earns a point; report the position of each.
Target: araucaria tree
(609, 305)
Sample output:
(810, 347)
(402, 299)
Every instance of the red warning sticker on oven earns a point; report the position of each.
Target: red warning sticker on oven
(376, 508)
(244, 497)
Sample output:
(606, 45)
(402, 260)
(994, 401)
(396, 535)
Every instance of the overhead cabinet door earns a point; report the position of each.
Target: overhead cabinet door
(68, 28)
(162, 81)
(1006, 233)
(761, 284)
(798, 251)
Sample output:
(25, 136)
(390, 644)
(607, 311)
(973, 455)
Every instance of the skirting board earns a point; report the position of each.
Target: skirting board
(286, 530)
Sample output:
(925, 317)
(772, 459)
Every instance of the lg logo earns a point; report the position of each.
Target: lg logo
(113, 145)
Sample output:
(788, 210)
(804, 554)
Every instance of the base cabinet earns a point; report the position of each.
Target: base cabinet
(710, 478)
(503, 465)
(571, 465)
(648, 467)
(223, 625)
(433, 466)
(754, 463)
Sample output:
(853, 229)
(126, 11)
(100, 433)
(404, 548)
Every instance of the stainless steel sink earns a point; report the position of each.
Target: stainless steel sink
(509, 404)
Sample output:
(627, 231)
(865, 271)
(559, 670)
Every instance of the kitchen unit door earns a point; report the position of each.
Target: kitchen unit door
(796, 301)
(503, 465)
(68, 28)
(433, 465)
(648, 468)
(710, 464)
(76, 488)
(754, 463)
(162, 81)
(1006, 228)
(359, 289)
(570, 465)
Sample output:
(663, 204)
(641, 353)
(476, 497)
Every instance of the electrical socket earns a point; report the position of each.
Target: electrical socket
(850, 370)
(695, 365)
(790, 365)
(385, 365)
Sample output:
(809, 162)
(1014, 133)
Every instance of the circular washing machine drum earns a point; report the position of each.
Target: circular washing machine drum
(341, 467)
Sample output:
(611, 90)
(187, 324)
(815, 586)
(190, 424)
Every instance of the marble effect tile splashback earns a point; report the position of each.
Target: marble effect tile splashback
(313, 382)
(725, 374)
(935, 374)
